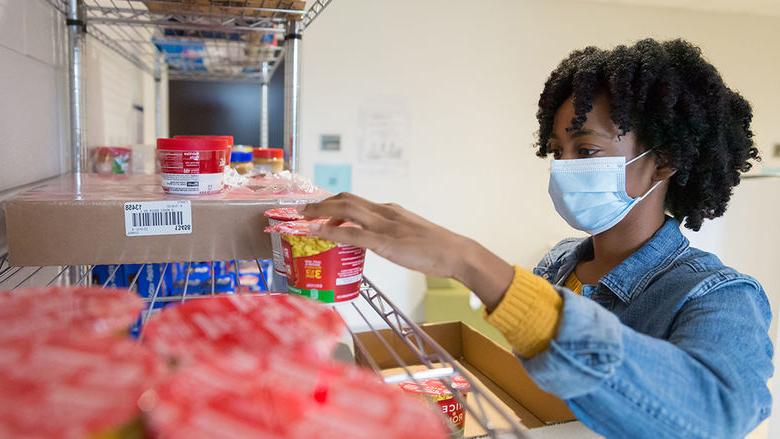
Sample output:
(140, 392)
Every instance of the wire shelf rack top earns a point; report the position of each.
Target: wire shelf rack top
(197, 39)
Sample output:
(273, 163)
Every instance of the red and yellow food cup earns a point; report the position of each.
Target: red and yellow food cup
(436, 391)
(318, 268)
(278, 216)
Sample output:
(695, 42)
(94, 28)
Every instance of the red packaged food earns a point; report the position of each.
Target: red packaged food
(318, 268)
(281, 396)
(36, 311)
(277, 216)
(436, 391)
(192, 165)
(73, 386)
(253, 323)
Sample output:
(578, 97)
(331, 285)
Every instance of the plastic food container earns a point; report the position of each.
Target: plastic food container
(243, 396)
(229, 139)
(74, 385)
(255, 323)
(241, 160)
(318, 268)
(436, 391)
(268, 160)
(192, 165)
(35, 312)
(277, 216)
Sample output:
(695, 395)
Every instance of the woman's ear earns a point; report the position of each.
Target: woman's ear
(663, 171)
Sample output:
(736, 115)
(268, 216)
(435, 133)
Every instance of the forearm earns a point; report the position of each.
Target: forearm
(610, 373)
(482, 272)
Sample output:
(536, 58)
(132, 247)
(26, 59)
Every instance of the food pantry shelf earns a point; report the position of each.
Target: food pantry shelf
(372, 305)
(222, 40)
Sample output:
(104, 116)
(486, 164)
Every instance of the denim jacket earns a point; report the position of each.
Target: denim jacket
(670, 343)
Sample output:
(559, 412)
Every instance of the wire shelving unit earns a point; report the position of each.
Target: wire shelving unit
(226, 38)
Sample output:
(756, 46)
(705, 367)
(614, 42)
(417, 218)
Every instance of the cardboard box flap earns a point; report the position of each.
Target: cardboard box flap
(510, 375)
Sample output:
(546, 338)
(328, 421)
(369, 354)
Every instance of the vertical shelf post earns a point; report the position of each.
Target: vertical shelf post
(265, 79)
(157, 96)
(76, 30)
(292, 94)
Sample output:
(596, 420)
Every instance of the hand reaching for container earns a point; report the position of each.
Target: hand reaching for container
(413, 242)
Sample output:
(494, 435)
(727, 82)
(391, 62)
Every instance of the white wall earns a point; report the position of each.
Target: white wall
(33, 92)
(469, 80)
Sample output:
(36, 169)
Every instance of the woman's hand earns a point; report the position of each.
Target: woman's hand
(413, 242)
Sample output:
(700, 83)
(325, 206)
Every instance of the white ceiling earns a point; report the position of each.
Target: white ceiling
(757, 7)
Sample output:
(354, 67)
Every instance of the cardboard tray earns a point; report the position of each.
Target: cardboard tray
(50, 225)
(495, 369)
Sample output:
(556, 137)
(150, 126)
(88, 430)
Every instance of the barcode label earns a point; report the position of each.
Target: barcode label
(149, 218)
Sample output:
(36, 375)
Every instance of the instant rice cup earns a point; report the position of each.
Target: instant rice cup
(278, 216)
(434, 390)
(193, 165)
(318, 268)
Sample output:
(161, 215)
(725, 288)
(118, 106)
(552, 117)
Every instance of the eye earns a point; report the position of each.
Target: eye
(586, 151)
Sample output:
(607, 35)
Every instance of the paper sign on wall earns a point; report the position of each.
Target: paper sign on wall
(384, 135)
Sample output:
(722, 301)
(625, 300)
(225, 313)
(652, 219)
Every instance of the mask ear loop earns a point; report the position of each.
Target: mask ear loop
(639, 156)
(655, 185)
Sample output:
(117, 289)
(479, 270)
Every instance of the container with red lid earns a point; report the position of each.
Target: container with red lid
(436, 391)
(276, 216)
(318, 268)
(193, 165)
(268, 160)
(229, 139)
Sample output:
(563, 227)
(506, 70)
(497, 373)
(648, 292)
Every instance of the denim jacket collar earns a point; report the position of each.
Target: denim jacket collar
(632, 275)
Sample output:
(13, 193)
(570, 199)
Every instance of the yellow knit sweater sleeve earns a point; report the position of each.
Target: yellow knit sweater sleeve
(528, 314)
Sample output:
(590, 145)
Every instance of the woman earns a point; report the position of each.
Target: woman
(642, 335)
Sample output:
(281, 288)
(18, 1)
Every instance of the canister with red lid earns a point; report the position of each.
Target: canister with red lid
(229, 139)
(192, 165)
(268, 160)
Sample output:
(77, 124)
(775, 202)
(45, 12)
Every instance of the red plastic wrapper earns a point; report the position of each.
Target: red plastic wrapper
(73, 385)
(277, 216)
(37, 311)
(253, 323)
(280, 396)
(436, 391)
(318, 268)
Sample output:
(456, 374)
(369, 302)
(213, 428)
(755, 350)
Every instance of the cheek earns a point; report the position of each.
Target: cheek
(638, 180)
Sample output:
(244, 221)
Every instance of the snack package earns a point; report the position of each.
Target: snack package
(111, 159)
(275, 217)
(239, 395)
(254, 323)
(68, 385)
(435, 391)
(318, 268)
(35, 312)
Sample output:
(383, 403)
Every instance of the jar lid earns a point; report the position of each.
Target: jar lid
(193, 143)
(228, 138)
(240, 156)
(268, 153)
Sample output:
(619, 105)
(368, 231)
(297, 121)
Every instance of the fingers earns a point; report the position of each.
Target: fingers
(347, 235)
(344, 207)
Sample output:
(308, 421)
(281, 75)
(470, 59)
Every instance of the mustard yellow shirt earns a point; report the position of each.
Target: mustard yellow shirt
(529, 312)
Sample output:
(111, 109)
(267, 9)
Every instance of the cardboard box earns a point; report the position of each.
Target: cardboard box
(50, 225)
(496, 370)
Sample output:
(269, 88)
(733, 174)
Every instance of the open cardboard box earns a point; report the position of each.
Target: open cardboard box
(495, 369)
(50, 224)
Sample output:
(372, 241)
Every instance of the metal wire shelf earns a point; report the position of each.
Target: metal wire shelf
(229, 41)
(372, 306)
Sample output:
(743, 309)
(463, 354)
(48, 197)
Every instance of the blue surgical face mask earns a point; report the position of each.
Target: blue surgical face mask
(590, 194)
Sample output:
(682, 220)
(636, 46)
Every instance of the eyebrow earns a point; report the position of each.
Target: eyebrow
(585, 132)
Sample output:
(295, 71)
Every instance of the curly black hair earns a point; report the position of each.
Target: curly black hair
(677, 103)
